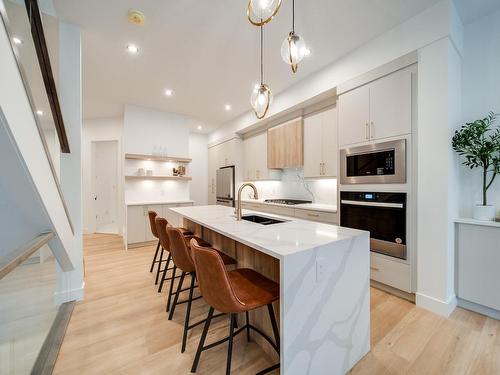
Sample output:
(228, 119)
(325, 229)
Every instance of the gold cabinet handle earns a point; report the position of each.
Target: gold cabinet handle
(313, 215)
(374, 268)
(367, 131)
(372, 130)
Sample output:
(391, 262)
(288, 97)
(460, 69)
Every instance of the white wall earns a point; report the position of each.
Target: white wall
(481, 94)
(198, 151)
(100, 130)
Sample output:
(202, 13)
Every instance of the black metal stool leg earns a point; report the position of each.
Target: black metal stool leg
(188, 313)
(171, 288)
(159, 266)
(248, 325)
(274, 324)
(176, 298)
(202, 340)
(230, 344)
(156, 255)
(164, 275)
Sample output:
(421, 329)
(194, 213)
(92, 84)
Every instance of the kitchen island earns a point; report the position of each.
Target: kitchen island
(323, 271)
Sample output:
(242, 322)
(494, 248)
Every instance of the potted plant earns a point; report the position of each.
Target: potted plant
(479, 143)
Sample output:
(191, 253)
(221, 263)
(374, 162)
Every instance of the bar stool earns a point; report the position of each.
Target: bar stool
(181, 256)
(154, 230)
(152, 215)
(233, 292)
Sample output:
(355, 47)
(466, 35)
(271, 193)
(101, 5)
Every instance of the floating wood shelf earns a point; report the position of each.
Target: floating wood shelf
(172, 159)
(177, 178)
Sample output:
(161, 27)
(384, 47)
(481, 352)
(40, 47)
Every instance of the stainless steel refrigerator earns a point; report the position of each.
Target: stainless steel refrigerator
(225, 186)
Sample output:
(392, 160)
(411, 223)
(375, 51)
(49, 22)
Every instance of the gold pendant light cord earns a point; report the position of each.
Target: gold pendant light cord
(261, 55)
(293, 16)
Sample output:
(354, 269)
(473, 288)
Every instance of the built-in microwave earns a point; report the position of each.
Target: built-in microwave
(377, 163)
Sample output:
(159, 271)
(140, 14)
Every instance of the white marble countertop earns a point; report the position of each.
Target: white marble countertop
(303, 206)
(277, 240)
(471, 221)
(157, 202)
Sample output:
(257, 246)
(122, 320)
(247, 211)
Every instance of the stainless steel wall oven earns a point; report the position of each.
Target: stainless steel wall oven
(382, 214)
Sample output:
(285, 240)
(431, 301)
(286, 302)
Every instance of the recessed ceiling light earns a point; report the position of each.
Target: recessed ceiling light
(132, 49)
(17, 40)
(227, 107)
(169, 92)
(39, 113)
(199, 127)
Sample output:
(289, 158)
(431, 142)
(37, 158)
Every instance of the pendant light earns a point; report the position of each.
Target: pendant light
(294, 47)
(260, 12)
(262, 96)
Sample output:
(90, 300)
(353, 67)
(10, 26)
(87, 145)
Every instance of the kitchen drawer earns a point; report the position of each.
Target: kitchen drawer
(389, 272)
(278, 210)
(324, 217)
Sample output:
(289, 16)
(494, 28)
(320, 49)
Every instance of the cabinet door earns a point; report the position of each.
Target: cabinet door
(136, 224)
(248, 161)
(276, 147)
(354, 116)
(313, 141)
(159, 210)
(294, 143)
(259, 156)
(390, 105)
(212, 167)
(329, 142)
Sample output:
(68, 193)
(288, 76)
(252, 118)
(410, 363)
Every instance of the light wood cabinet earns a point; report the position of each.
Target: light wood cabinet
(255, 159)
(285, 145)
(378, 110)
(321, 144)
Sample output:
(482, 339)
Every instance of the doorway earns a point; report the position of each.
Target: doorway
(105, 185)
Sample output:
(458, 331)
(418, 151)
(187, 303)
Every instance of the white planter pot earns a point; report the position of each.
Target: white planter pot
(486, 213)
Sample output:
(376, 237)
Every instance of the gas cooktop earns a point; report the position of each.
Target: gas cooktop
(287, 201)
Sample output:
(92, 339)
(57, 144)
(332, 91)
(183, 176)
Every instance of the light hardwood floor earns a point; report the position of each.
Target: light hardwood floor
(121, 327)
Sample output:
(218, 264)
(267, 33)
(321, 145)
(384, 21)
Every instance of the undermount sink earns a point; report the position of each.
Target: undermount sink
(261, 219)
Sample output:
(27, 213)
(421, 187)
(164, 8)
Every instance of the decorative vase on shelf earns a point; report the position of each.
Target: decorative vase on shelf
(479, 143)
(487, 213)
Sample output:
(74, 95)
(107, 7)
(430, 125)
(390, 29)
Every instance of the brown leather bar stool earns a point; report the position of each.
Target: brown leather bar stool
(152, 215)
(161, 227)
(232, 292)
(181, 256)
(154, 230)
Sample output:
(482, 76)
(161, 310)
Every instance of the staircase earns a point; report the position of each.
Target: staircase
(41, 260)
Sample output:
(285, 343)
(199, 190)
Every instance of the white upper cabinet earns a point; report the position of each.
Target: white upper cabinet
(354, 116)
(321, 144)
(390, 105)
(255, 159)
(378, 110)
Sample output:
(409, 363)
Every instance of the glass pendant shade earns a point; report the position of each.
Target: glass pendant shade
(261, 99)
(260, 12)
(293, 50)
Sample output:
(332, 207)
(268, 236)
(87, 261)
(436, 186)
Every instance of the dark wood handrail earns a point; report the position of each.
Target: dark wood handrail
(42, 52)
(16, 257)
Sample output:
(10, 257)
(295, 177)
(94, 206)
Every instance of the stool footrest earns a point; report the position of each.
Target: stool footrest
(269, 369)
(204, 320)
(221, 341)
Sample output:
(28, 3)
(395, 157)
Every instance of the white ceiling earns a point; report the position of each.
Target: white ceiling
(207, 52)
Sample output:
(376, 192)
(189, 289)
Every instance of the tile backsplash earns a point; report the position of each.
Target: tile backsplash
(293, 186)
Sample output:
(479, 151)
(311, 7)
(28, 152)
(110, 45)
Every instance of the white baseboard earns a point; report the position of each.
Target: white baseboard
(443, 308)
(69, 295)
(480, 309)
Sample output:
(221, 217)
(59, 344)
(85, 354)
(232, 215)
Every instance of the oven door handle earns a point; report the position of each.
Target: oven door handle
(372, 204)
